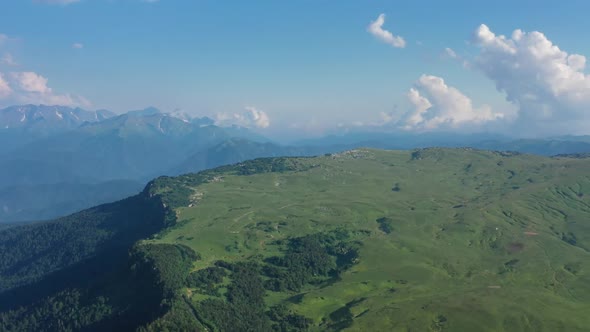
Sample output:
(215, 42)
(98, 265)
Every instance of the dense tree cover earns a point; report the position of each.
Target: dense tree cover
(244, 308)
(306, 258)
(68, 311)
(159, 272)
(78, 273)
(167, 265)
(34, 250)
(570, 238)
(179, 317)
(206, 279)
(342, 317)
(173, 192)
(310, 259)
(138, 289)
(269, 165)
(265, 165)
(285, 320)
(385, 224)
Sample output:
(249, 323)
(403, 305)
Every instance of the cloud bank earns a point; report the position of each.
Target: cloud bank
(5, 89)
(249, 118)
(376, 29)
(437, 105)
(8, 59)
(28, 87)
(31, 88)
(547, 85)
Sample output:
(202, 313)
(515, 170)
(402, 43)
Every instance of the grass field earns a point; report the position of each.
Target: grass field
(477, 241)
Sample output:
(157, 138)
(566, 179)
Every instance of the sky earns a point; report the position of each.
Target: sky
(309, 66)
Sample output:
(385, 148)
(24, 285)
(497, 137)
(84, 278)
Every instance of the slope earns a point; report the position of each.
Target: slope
(454, 240)
(427, 240)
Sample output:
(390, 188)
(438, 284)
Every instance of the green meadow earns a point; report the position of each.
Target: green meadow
(448, 239)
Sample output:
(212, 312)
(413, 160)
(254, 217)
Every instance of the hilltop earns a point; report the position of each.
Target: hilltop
(59, 160)
(428, 240)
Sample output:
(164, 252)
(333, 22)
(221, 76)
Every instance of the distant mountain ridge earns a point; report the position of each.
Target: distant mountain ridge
(51, 119)
(48, 118)
(63, 149)
(67, 150)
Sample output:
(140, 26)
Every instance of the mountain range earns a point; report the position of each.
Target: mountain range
(59, 147)
(55, 158)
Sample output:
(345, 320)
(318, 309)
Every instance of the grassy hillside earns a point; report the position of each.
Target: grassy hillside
(365, 240)
(456, 240)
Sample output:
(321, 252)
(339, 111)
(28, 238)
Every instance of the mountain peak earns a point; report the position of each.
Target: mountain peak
(144, 112)
(47, 118)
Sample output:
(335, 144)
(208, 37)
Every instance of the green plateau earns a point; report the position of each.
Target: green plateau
(363, 240)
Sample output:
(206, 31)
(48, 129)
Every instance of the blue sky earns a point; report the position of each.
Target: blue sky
(307, 65)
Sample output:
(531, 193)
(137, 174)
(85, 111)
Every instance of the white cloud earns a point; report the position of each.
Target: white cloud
(249, 118)
(421, 105)
(27, 87)
(8, 59)
(78, 45)
(260, 118)
(437, 105)
(30, 87)
(547, 85)
(376, 29)
(57, 2)
(5, 89)
(386, 117)
(31, 82)
(450, 53)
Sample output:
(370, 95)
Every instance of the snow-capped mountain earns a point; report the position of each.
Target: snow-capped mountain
(48, 118)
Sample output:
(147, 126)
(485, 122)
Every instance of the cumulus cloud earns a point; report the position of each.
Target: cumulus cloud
(376, 29)
(437, 105)
(8, 59)
(30, 87)
(386, 117)
(31, 82)
(77, 45)
(547, 85)
(20, 87)
(5, 89)
(451, 53)
(249, 118)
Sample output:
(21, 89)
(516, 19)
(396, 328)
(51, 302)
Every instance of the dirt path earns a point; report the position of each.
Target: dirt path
(286, 206)
(242, 216)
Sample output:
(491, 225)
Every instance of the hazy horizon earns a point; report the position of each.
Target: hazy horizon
(307, 69)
